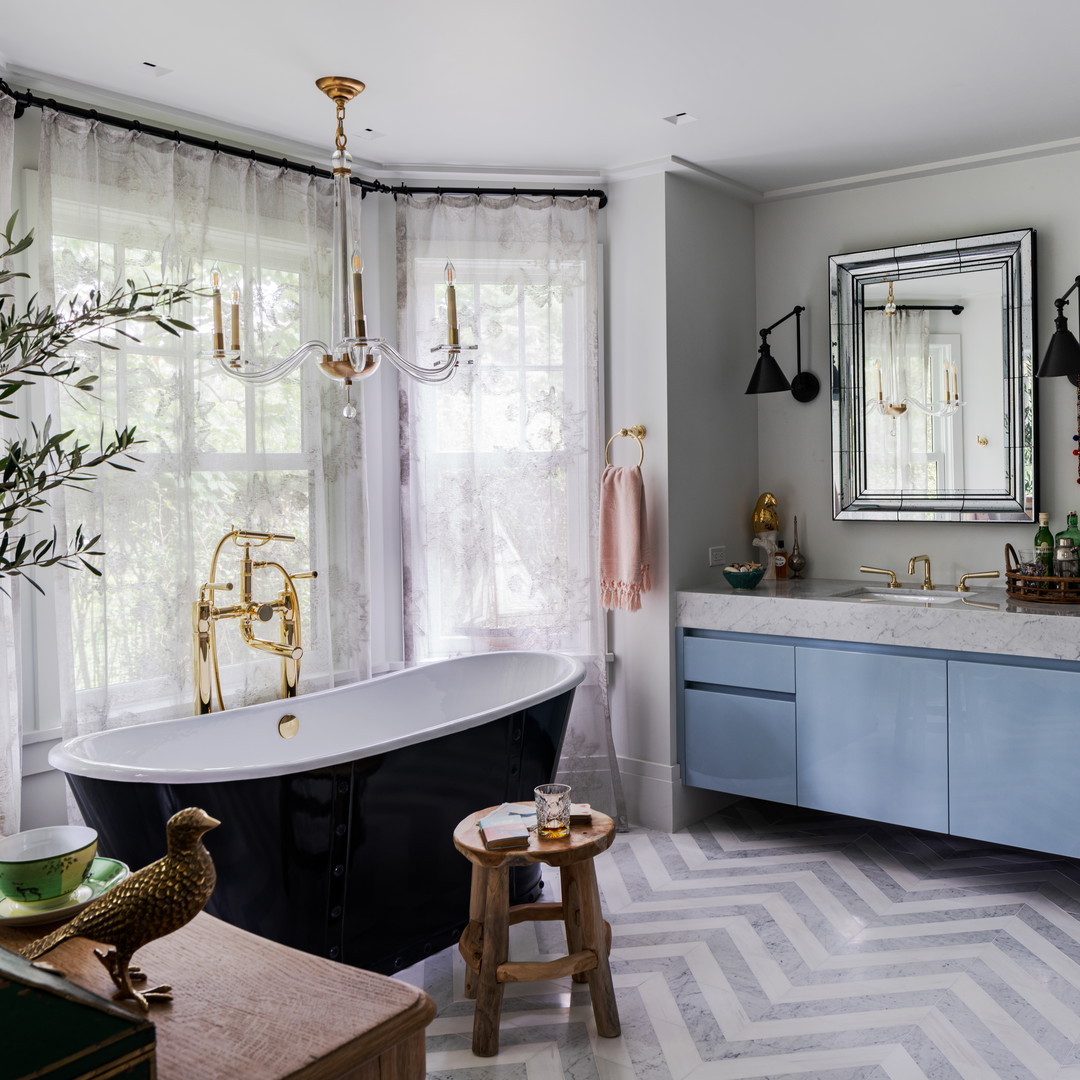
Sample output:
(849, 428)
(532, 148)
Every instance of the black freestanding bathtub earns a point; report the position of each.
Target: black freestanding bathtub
(337, 839)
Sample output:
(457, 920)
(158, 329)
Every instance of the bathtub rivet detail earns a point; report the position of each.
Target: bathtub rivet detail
(334, 952)
(341, 830)
(343, 786)
(339, 870)
(335, 912)
(288, 726)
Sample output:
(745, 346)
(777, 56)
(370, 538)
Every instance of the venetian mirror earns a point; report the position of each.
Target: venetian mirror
(933, 381)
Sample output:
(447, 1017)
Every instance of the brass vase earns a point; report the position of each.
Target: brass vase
(796, 560)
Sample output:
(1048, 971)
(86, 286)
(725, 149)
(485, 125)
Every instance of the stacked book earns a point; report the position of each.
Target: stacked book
(508, 826)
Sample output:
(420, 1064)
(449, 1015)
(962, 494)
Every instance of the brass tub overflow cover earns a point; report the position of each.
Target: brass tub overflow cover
(288, 726)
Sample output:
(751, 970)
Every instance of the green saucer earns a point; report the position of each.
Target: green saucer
(104, 874)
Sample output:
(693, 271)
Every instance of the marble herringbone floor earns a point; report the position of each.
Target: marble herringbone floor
(769, 942)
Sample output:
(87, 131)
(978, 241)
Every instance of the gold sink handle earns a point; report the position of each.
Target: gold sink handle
(893, 583)
(962, 587)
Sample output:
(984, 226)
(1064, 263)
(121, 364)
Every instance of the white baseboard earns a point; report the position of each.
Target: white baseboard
(657, 798)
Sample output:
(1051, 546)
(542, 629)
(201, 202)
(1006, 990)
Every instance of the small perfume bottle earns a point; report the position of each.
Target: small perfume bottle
(780, 560)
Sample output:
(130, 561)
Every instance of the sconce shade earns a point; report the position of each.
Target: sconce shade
(767, 377)
(1063, 353)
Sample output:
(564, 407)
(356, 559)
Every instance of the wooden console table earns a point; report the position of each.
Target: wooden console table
(245, 1006)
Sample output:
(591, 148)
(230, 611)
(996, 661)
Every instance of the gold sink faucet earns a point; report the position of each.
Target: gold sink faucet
(206, 614)
(927, 583)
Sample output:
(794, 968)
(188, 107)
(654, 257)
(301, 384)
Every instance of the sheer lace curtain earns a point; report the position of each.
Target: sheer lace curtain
(897, 351)
(217, 453)
(10, 735)
(501, 466)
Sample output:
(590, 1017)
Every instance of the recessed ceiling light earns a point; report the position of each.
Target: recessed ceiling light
(370, 133)
(156, 69)
(680, 118)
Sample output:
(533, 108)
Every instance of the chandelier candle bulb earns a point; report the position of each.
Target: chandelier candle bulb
(880, 396)
(219, 333)
(358, 294)
(451, 306)
(235, 323)
(955, 387)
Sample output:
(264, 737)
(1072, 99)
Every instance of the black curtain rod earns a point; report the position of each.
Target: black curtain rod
(570, 193)
(956, 309)
(25, 99)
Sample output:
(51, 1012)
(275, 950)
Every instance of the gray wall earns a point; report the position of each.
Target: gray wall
(679, 331)
(794, 241)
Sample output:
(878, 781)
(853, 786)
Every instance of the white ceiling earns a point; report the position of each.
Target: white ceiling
(785, 93)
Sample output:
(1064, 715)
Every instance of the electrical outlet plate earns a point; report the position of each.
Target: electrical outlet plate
(718, 555)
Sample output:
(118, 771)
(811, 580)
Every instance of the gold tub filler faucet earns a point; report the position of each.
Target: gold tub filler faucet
(206, 614)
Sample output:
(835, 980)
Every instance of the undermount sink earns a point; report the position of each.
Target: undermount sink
(902, 595)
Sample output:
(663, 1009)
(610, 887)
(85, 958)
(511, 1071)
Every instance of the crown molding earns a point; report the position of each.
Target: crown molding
(934, 168)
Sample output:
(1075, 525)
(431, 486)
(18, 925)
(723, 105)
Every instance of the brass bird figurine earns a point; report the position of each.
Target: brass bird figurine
(151, 903)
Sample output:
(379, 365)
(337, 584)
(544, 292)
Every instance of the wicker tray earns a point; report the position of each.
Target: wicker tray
(1039, 588)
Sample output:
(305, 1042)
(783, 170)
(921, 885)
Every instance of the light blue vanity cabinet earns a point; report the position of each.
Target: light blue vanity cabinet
(737, 707)
(1014, 753)
(872, 735)
(985, 746)
(958, 716)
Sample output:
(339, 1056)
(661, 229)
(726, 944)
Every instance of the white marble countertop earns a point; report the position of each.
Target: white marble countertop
(983, 620)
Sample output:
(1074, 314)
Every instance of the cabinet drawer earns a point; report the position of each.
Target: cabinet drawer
(751, 664)
(740, 744)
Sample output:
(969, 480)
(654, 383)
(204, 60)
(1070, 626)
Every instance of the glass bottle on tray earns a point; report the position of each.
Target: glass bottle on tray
(1070, 532)
(1044, 546)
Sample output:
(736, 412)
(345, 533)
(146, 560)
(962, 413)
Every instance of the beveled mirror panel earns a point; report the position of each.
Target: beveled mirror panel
(933, 381)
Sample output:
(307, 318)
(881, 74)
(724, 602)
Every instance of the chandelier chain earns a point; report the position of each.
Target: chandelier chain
(339, 138)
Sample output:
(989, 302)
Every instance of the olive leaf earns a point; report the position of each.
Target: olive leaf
(34, 342)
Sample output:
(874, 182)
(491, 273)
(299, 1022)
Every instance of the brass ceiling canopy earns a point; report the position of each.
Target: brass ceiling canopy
(339, 88)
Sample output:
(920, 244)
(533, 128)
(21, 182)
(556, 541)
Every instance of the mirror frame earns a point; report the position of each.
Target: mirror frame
(1014, 254)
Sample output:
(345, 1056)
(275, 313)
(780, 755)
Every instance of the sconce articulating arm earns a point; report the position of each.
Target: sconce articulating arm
(768, 377)
(1063, 353)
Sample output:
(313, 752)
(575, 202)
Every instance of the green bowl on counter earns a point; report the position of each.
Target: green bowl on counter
(744, 579)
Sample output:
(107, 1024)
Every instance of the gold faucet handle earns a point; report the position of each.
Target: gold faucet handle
(893, 583)
(250, 536)
(305, 574)
(211, 585)
(962, 587)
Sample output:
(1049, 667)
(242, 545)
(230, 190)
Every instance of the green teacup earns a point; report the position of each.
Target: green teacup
(44, 866)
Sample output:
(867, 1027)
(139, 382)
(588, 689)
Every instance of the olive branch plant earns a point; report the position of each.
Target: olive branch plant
(34, 341)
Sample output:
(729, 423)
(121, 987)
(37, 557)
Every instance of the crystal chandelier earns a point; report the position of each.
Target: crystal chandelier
(950, 398)
(351, 355)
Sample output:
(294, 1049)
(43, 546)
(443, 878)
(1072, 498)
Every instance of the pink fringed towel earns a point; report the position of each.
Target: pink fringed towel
(624, 539)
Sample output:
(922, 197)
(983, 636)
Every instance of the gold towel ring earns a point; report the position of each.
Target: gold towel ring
(635, 432)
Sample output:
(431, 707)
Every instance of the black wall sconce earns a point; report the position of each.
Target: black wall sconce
(768, 378)
(1063, 353)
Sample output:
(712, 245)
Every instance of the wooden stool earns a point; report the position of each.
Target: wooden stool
(485, 942)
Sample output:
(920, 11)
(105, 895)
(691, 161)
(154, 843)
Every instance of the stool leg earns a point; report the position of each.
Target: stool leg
(496, 948)
(476, 919)
(594, 933)
(571, 902)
